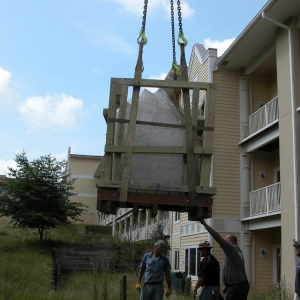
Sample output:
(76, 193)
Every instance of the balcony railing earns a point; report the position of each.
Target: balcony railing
(265, 200)
(264, 116)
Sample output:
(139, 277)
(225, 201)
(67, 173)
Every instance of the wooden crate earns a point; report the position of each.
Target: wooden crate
(196, 196)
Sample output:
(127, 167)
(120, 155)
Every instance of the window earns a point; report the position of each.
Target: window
(177, 216)
(166, 216)
(276, 265)
(176, 259)
(191, 259)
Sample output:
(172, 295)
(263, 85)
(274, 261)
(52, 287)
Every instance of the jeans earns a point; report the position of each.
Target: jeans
(152, 292)
(209, 292)
(237, 291)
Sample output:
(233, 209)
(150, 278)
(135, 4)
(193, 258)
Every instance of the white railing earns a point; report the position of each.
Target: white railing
(264, 116)
(265, 200)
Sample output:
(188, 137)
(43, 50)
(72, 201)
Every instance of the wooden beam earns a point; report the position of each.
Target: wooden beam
(208, 137)
(163, 83)
(158, 150)
(150, 199)
(189, 137)
(131, 128)
(156, 187)
(161, 124)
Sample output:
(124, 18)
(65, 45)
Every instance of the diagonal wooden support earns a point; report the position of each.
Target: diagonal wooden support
(131, 130)
(191, 165)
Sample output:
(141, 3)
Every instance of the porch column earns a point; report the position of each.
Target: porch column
(246, 184)
(138, 229)
(125, 226)
(247, 251)
(245, 106)
(147, 221)
(114, 227)
(158, 216)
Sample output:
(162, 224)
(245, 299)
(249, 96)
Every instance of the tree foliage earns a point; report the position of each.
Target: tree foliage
(158, 234)
(36, 194)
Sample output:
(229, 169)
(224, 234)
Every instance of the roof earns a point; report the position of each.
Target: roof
(259, 35)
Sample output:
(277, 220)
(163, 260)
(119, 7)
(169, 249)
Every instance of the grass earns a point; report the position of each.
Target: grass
(25, 268)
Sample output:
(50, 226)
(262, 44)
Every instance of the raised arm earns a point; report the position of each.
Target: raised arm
(213, 233)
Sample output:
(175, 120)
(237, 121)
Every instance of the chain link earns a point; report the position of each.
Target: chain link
(179, 16)
(173, 31)
(144, 16)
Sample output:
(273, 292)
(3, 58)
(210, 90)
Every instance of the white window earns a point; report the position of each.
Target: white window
(191, 260)
(177, 216)
(276, 264)
(176, 259)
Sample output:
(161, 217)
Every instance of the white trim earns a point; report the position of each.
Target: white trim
(82, 176)
(274, 260)
(85, 195)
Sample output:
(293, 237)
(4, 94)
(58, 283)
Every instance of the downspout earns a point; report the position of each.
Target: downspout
(293, 118)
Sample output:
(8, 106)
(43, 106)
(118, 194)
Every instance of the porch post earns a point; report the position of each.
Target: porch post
(138, 224)
(114, 227)
(246, 184)
(247, 251)
(245, 106)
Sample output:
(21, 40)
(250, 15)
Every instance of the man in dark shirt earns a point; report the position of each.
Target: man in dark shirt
(208, 274)
(297, 279)
(236, 285)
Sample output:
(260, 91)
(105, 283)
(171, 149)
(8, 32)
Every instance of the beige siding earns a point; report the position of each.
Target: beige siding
(264, 88)
(226, 173)
(267, 162)
(264, 265)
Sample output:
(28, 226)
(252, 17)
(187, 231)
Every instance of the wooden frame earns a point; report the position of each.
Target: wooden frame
(115, 189)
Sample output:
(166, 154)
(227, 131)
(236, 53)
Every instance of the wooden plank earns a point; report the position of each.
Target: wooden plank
(123, 91)
(161, 124)
(110, 130)
(156, 187)
(150, 199)
(163, 83)
(158, 149)
(131, 129)
(208, 138)
(195, 106)
(191, 165)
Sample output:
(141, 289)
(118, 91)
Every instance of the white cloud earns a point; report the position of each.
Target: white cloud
(7, 94)
(137, 7)
(6, 163)
(220, 45)
(51, 111)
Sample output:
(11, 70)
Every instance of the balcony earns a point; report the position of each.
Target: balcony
(265, 200)
(263, 117)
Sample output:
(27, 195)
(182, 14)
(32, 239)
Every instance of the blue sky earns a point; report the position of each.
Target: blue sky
(57, 58)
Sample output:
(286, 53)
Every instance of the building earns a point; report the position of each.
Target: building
(256, 149)
(84, 168)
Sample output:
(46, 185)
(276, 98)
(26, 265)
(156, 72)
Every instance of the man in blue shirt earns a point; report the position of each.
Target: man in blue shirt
(297, 279)
(152, 269)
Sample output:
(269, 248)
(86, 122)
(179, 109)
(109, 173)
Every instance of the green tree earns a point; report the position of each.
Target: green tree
(158, 234)
(36, 194)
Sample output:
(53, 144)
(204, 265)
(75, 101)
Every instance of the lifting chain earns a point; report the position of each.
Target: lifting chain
(175, 67)
(180, 34)
(142, 35)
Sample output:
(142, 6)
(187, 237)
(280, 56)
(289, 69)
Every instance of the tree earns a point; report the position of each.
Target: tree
(36, 194)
